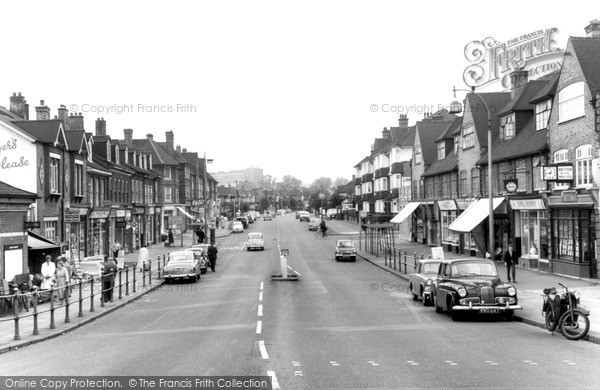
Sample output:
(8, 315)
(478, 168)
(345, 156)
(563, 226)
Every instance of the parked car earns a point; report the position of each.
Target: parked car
(244, 221)
(89, 267)
(237, 227)
(255, 241)
(344, 249)
(267, 217)
(202, 250)
(183, 265)
(256, 215)
(297, 214)
(473, 285)
(422, 283)
(304, 216)
(314, 224)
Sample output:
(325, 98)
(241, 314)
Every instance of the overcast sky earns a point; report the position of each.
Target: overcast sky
(286, 86)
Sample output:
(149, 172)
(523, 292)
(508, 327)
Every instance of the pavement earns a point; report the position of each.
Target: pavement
(530, 283)
(14, 336)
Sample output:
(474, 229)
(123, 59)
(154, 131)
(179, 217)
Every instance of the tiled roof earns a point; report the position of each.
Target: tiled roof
(76, 140)
(521, 102)
(173, 153)
(159, 155)
(495, 101)
(549, 87)
(6, 190)
(588, 54)
(449, 133)
(527, 142)
(46, 131)
(429, 131)
(447, 164)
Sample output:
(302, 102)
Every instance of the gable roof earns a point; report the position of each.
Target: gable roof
(549, 89)
(449, 132)
(522, 101)
(8, 191)
(495, 101)
(445, 165)
(588, 54)
(429, 131)
(159, 155)
(48, 131)
(173, 153)
(76, 140)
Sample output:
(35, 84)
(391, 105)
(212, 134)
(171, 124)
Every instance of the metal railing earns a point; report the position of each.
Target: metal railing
(400, 260)
(125, 282)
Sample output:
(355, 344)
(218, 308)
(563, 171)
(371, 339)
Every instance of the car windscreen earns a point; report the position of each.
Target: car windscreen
(474, 269)
(181, 258)
(255, 236)
(430, 268)
(345, 244)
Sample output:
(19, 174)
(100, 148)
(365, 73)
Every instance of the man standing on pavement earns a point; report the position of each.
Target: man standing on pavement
(143, 258)
(108, 279)
(212, 256)
(511, 259)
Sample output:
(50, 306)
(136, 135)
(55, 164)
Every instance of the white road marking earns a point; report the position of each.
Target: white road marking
(569, 362)
(530, 362)
(262, 284)
(263, 350)
(372, 363)
(492, 363)
(260, 310)
(258, 327)
(274, 380)
(297, 373)
(297, 273)
(451, 363)
(334, 363)
(412, 362)
(296, 364)
(260, 296)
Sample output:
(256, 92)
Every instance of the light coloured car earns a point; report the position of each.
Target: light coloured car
(183, 265)
(202, 250)
(314, 224)
(255, 241)
(422, 283)
(90, 267)
(267, 217)
(304, 216)
(237, 227)
(345, 250)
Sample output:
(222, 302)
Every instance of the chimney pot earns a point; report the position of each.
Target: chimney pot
(19, 93)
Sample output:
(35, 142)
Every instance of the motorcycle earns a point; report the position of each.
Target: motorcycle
(564, 311)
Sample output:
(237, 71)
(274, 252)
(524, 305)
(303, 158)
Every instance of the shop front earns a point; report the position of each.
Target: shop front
(431, 223)
(98, 232)
(75, 225)
(138, 226)
(573, 234)
(405, 221)
(120, 227)
(448, 213)
(532, 227)
(150, 234)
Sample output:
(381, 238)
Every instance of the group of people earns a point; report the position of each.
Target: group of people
(56, 275)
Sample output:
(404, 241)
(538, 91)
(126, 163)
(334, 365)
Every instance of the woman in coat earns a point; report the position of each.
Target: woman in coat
(62, 279)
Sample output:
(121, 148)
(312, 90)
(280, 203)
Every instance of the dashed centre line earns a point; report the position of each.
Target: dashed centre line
(260, 310)
(258, 327)
(260, 296)
(263, 350)
(274, 380)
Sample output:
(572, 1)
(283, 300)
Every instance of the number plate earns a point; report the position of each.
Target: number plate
(489, 310)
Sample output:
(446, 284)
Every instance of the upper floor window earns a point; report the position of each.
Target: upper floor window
(117, 157)
(168, 195)
(583, 170)
(464, 188)
(538, 183)
(570, 102)
(441, 147)
(78, 178)
(507, 127)
(475, 184)
(55, 173)
(108, 153)
(468, 134)
(561, 156)
(418, 156)
(167, 172)
(542, 114)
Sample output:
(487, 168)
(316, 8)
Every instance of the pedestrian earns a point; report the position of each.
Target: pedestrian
(48, 271)
(511, 259)
(171, 240)
(212, 256)
(200, 235)
(62, 281)
(143, 259)
(108, 279)
(118, 247)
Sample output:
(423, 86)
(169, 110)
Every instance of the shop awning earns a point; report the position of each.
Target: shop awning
(35, 242)
(405, 212)
(185, 212)
(473, 215)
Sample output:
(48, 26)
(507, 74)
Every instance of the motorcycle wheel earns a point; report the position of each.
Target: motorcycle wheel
(549, 323)
(575, 326)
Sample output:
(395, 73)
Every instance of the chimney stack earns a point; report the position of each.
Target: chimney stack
(184, 150)
(385, 134)
(100, 126)
(593, 30)
(63, 114)
(403, 122)
(178, 148)
(150, 137)
(75, 121)
(18, 106)
(170, 140)
(42, 111)
(128, 133)
(518, 78)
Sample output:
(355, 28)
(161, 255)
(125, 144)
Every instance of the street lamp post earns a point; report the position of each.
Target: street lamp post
(204, 196)
(455, 107)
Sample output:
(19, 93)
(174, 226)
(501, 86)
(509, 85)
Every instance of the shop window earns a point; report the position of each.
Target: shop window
(583, 168)
(571, 102)
(572, 235)
(449, 236)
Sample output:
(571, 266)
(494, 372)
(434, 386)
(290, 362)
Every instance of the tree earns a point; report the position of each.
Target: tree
(268, 181)
(291, 183)
(321, 183)
(340, 181)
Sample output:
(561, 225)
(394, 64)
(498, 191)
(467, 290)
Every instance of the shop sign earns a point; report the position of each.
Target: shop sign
(569, 196)
(150, 210)
(34, 224)
(120, 213)
(437, 253)
(72, 216)
(446, 205)
(121, 224)
(17, 160)
(493, 61)
(511, 185)
(139, 210)
(128, 215)
(558, 172)
(527, 204)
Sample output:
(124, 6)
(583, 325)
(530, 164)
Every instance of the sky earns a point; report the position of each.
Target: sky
(296, 88)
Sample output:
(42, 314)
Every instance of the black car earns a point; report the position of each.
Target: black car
(244, 221)
(473, 285)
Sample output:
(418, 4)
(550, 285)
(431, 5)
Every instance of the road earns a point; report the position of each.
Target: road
(343, 325)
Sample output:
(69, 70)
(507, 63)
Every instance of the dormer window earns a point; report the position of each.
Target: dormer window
(108, 151)
(507, 127)
(570, 102)
(441, 147)
(542, 114)
(117, 157)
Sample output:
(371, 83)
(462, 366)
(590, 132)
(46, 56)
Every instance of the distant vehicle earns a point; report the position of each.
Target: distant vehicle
(280, 212)
(90, 267)
(422, 283)
(345, 249)
(304, 216)
(255, 241)
(314, 224)
(250, 217)
(202, 250)
(244, 221)
(297, 214)
(256, 215)
(237, 227)
(267, 217)
(183, 265)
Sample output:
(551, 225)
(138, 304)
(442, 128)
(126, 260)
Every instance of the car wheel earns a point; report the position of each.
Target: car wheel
(454, 314)
(203, 271)
(435, 303)
(509, 315)
(354, 259)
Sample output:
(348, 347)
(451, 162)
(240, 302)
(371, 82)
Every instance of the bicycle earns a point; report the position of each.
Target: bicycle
(6, 303)
(320, 233)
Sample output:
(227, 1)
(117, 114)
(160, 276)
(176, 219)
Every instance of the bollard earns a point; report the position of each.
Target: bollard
(120, 285)
(133, 282)
(126, 280)
(385, 256)
(35, 296)
(102, 292)
(92, 294)
(150, 272)
(66, 295)
(80, 284)
(283, 264)
(405, 261)
(158, 266)
(394, 254)
(16, 311)
(164, 260)
(144, 275)
(52, 325)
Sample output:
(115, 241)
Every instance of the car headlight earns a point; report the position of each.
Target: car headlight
(428, 282)
(462, 292)
(511, 291)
